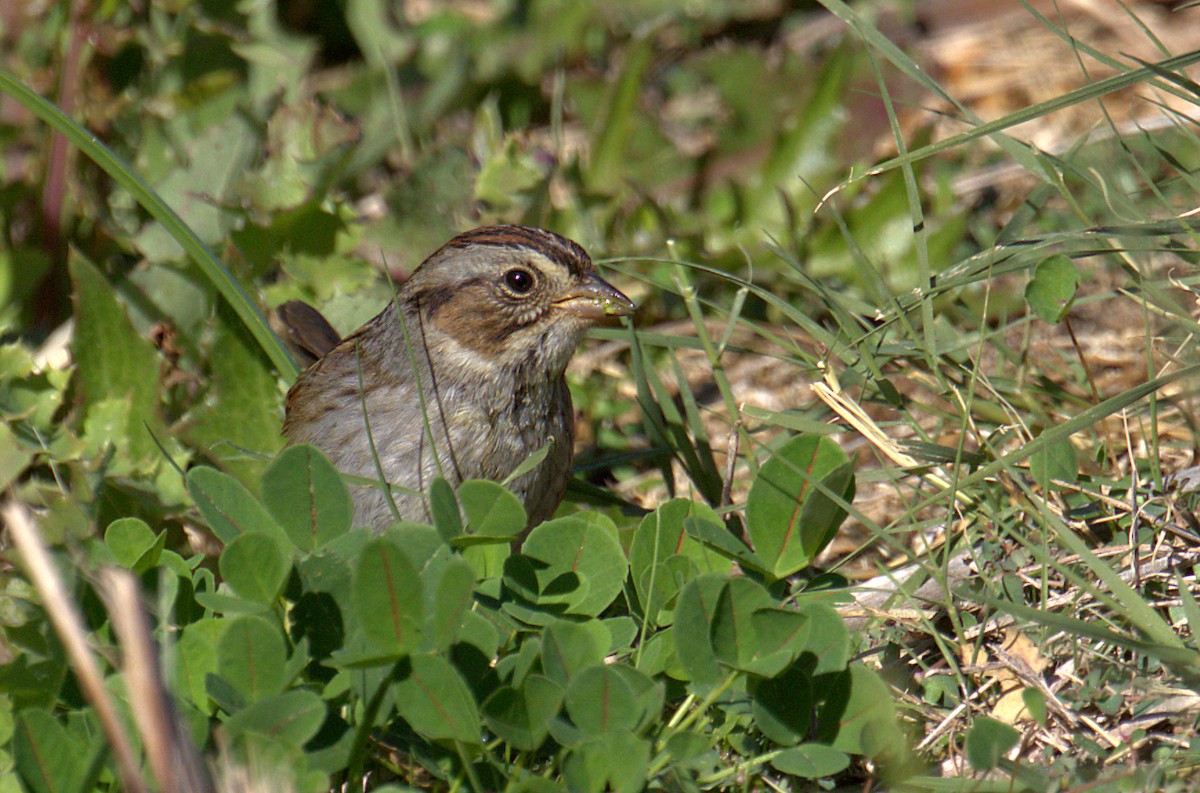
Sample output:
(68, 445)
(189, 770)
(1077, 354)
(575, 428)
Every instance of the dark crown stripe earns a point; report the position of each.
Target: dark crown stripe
(559, 249)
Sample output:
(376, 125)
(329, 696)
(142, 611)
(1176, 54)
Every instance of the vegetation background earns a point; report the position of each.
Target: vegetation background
(954, 240)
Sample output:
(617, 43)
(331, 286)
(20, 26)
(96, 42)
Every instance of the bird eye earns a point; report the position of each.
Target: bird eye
(519, 281)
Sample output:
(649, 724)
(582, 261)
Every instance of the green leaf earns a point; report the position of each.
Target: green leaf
(14, 458)
(388, 597)
(783, 706)
(1054, 461)
(734, 640)
(811, 761)
(572, 546)
(251, 657)
(616, 761)
(449, 585)
(292, 717)
(663, 557)
(598, 700)
(254, 567)
(858, 715)
(242, 408)
(114, 362)
(1035, 703)
(718, 538)
(133, 544)
(793, 509)
(229, 508)
(436, 702)
(826, 637)
(444, 508)
(692, 629)
(568, 648)
(988, 741)
(520, 715)
(307, 497)
(491, 510)
(45, 754)
(1051, 292)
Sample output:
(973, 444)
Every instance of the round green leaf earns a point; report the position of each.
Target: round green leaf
(734, 640)
(520, 715)
(254, 567)
(388, 597)
(811, 761)
(790, 512)
(228, 506)
(569, 546)
(568, 647)
(599, 701)
(450, 586)
(307, 497)
(692, 629)
(436, 702)
(661, 537)
(989, 740)
(859, 717)
(133, 544)
(491, 510)
(1052, 290)
(292, 717)
(251, 656)
(783, 706)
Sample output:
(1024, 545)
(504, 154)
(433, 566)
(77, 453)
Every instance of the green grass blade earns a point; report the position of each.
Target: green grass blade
(123, 174)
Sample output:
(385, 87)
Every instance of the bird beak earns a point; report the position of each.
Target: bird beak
(594, 298)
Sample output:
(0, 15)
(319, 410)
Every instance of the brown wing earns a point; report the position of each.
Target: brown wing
(307, 335)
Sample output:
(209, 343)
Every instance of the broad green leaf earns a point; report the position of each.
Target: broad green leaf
(598, 700)
(826, 637)
(988, 741)
(45, 754)
(14, 458)
(718, 538)
(251, 657)
(520, 716)
(783, 706)
(692, 630)
(293, 717)
(616, 761)
(196, 654)
(242, 409)
(661, 537)
(1035, 703)
(588, 550)
(1052, 290)
(229, 508)
(435, 701)
(254, 567)
(648, 693)
(388, 597)
(734, 640)
(113, 362)
(791, 512)
(444, 508)
(449, 586)
(811, 761)
(858, 715)
(307, 497)
(491, 510)
(1055, 461)
(133, 544)
(568, 648)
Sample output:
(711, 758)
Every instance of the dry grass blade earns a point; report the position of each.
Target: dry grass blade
(69, 624)
(176, 764)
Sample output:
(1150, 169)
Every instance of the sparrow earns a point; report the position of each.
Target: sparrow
(461, 376)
